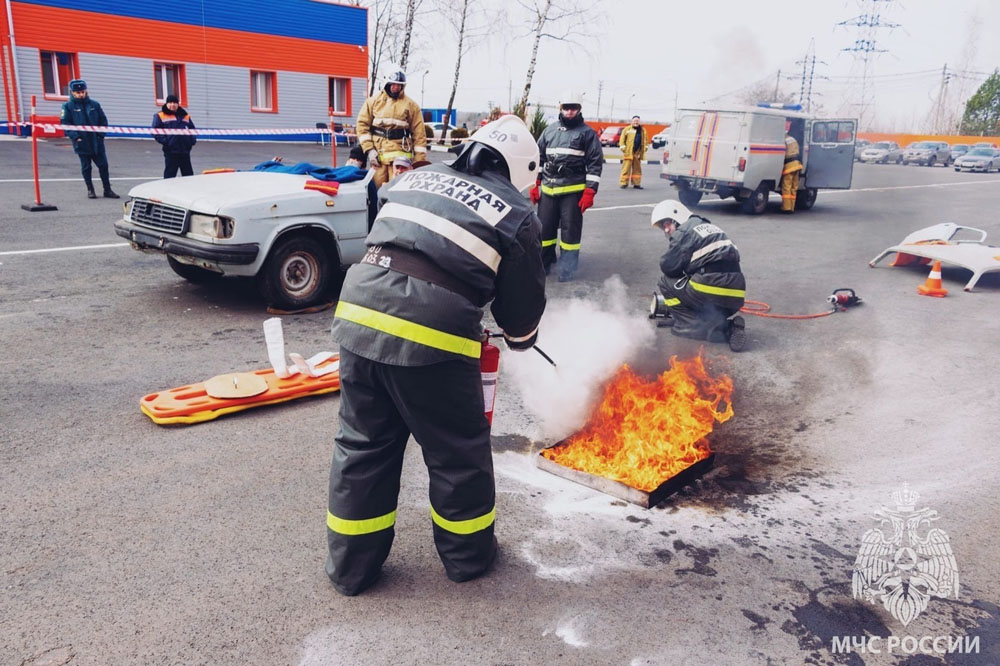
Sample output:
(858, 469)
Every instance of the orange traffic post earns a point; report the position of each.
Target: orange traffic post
(38, 206)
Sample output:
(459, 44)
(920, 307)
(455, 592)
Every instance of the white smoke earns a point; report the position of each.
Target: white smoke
(589, 339)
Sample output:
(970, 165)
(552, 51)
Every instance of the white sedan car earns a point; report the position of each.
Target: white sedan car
(979, 159)
(660, 140)
(259, 224)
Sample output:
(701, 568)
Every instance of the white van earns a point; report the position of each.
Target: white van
(739, 152)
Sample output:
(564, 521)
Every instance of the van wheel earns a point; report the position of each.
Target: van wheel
(931, 160)
(756, 203)
(296, 274)
(689, 197)
(195, 274)
(806, 199)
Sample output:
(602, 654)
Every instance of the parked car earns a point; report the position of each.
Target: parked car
(927, 153)
(979, 159)
(958, 150)
(660, 140)
(254, 224)
(859, 147)
(611, 135)
(439, 127)
(883, 152)
(985, 144)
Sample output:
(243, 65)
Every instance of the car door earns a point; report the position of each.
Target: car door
(831, 154)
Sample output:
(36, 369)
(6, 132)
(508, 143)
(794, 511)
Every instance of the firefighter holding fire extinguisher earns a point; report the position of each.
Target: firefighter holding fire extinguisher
(448, 240)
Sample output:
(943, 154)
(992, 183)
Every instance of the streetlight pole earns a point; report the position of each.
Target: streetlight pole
(422, 79)
(629, 112)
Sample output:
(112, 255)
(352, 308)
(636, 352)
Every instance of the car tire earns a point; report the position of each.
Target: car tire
(806, 198)
(899, 160)
(756, 203)
(931, 161)
(194, 274)
(689, 197)
(906, 162)
(296, 273)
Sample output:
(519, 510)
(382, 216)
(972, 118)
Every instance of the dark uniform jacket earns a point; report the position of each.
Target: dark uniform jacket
(175, 144)
(84, 112)
(479, 233)
(704, 253)
(571, 158)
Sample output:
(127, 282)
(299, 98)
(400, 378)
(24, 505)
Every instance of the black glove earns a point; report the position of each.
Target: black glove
(521, 344)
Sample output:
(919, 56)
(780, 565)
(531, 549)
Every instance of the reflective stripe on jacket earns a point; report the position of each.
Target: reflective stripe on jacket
(477, 229)
(704, 254)
(627, 142)
(385, 113)
(175, 144)
(571, 158)
(792, 153)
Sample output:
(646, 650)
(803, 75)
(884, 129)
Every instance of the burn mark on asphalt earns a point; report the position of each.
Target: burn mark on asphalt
(760, 622)
(516, 443)
(636, 519)
(815, 623)
(701, 557)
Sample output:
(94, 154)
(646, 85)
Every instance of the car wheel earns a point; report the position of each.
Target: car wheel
(195, 274)
(689, 197)
(756, 203)
(296, 273)
(806, 198)
(931, 161)
(906, 162)
(899, 160)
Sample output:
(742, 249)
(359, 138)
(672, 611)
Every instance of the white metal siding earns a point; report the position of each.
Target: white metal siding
(217, 96)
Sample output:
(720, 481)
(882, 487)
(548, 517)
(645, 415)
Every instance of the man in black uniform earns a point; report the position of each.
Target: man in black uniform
(572, 160)
(448, 239)
(702, 284)
(88, 145)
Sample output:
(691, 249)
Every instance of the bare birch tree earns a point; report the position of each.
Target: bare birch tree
(386, 29)
(470, 23)
(559, 20)
(411, 11)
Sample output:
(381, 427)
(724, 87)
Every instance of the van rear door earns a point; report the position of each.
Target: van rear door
(830, 156)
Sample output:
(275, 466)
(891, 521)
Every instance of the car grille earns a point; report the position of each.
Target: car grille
(158, 216)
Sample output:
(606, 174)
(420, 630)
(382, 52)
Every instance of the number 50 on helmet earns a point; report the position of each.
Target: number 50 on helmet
(509, 136)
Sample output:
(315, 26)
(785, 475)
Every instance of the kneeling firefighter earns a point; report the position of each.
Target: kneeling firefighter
(448, 239)
(702, 284)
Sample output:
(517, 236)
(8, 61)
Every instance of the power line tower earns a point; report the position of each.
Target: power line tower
(939, 117)
(866, 48)
(808, 63)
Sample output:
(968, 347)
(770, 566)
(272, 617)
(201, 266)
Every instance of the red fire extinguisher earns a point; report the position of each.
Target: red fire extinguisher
(489, 366)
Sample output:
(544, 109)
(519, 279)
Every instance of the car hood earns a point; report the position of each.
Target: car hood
(876, 151)
(213, 193)
(974, 158)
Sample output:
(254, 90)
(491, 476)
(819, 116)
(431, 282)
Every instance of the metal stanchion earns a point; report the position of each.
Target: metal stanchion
(38, 206)
(333, 142)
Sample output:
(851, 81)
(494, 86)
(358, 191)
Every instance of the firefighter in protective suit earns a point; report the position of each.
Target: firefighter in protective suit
(702, 284)
(790, 173)
(448, 239)
(571, 159)
(391, 125)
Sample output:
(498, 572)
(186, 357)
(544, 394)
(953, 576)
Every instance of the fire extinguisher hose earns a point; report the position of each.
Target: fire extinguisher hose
(762, 309)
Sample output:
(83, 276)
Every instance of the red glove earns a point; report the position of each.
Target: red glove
(535, 194)
(587, 199)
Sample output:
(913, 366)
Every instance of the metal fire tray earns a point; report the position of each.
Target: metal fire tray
(626, 492)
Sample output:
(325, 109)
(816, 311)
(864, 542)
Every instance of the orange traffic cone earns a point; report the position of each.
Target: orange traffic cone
(932, 286)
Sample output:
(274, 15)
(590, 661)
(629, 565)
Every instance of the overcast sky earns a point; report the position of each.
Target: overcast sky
(644, 50)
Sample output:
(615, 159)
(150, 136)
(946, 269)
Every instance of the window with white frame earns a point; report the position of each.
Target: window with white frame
(168, 78)
(263, 91)
(339, 96)
(58, 69)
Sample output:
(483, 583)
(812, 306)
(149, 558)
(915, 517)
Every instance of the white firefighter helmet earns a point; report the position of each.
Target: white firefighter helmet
(669, 211)
(509, 136)
(571, 97)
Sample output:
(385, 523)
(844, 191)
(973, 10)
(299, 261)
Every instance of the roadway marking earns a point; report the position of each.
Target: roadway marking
(72, 180)
(65, 249)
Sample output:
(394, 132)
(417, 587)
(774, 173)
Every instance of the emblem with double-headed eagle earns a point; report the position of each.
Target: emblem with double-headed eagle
(901, 568)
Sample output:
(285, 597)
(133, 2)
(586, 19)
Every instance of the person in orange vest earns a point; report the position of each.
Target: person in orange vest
(633, 145)
(790, 172)
(176, 147)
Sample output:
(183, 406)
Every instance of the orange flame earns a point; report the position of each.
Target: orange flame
(644, 432)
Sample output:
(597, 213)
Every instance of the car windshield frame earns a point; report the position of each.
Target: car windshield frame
(980, 152)
(881, 145)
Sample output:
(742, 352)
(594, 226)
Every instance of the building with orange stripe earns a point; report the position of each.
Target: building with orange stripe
(255, 63)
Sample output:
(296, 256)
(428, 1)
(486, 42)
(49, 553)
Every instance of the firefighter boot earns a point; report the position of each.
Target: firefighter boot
(737, 334)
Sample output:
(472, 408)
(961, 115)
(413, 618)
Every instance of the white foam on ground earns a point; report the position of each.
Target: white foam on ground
(569, 631)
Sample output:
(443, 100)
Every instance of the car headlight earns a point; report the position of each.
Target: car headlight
(127, 208)
(215, 226)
